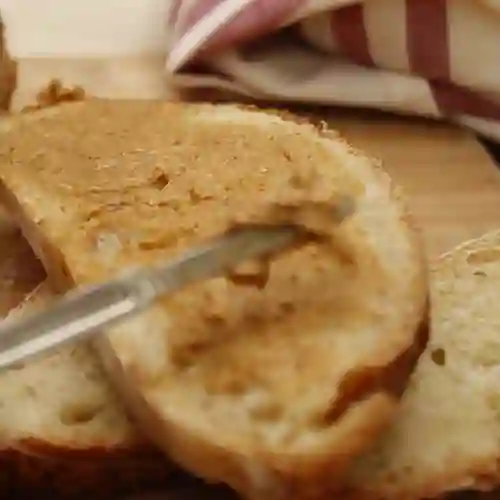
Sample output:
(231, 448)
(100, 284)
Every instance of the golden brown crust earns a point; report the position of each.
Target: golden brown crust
(37, 468)
(444, 476)
(391, 379)
(33, 466)
(481, 478)
(20, 270)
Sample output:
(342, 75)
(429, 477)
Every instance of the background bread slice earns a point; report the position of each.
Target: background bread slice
(62, 430)
(20, 271)
(271, 389)
(45, 446)
(447, 437)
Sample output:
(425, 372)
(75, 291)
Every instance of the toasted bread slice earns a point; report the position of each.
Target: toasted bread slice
(447, 435)
(268, 389)
(63, 433)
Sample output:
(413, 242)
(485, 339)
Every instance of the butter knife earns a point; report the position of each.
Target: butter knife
(85, 311)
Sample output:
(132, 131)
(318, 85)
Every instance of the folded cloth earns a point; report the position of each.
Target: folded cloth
(434, 58)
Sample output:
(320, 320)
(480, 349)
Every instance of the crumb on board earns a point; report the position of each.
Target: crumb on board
(55, 93)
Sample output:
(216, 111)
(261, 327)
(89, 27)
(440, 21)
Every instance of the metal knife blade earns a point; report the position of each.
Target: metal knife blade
(85, 312)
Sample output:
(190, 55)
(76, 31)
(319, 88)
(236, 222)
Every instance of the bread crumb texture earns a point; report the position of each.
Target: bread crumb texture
(64, 432)
(447, 435)
(118, 184)
(63, 397)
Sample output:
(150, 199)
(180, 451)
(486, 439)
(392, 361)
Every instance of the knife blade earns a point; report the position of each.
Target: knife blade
(88, 310)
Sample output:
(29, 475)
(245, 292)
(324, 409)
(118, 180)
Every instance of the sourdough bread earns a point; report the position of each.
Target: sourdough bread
(447, 435)
(63, 433)
(272, 389)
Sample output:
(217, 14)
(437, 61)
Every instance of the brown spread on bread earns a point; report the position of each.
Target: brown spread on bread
(315, 221)
(282, 383)
(200, 195)
(152, 180)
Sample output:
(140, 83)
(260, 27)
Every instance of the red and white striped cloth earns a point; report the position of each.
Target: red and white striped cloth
(435, 58)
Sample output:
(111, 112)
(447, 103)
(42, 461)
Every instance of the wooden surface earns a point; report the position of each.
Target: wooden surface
(453, 184)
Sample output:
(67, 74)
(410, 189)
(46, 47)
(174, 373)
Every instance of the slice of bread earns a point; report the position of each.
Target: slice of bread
(62, 430)
(272, 389)
(447, 436)
(20, 271)
(63, 433)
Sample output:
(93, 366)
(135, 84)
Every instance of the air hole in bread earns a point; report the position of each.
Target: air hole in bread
(301, 180)
(65, 271)
(154, 244)
(31, 391)
(79, 414)
(197, 197)
(288, 308)
(184, 357)
(493, 402)
(267, 411)
(438, 356)
(482, 274)
(161, 181)
(17, 366)
(408, 469)
(230, 386)
(483, 256)
(252, 273)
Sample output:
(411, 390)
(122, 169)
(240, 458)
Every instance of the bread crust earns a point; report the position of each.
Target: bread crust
(32, 467)
(373, 390)
(463, 474)
(37, 468)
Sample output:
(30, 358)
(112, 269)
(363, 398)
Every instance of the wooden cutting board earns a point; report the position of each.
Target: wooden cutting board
(453, 184)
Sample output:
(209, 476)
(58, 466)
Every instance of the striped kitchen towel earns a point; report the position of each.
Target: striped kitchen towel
(434, 58)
